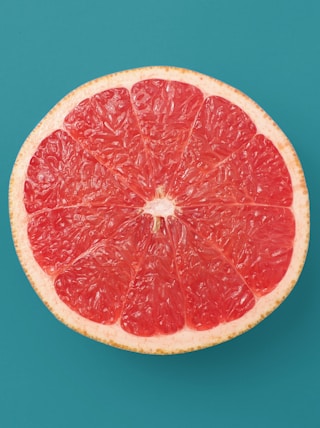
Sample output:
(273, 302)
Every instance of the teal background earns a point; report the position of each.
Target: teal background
(53, 377)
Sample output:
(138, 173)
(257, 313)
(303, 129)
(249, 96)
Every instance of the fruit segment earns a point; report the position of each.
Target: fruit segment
(155, 302)
(220, 129)
(166, 112)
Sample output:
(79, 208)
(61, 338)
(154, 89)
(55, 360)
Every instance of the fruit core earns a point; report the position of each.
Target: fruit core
(159, 207)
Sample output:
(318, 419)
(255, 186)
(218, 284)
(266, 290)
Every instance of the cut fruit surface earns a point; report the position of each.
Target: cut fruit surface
(159, 210)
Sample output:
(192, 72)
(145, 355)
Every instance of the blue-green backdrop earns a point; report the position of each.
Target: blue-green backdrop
(53, 377)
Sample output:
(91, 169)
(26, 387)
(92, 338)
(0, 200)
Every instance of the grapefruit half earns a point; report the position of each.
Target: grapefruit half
(159, 210)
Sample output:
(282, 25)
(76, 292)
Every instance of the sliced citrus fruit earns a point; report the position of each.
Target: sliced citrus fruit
(159, 210)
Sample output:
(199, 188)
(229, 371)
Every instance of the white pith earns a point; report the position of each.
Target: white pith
(160, 207)
(186, 339)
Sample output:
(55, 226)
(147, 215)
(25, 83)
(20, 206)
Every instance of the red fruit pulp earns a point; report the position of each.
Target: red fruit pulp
(228, 241)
